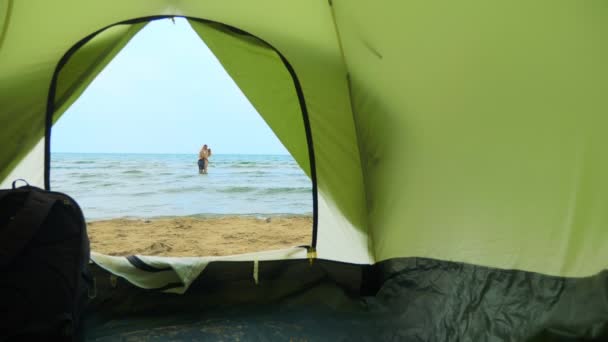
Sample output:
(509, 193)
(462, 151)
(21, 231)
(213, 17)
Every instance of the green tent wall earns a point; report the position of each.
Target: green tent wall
(462, 137)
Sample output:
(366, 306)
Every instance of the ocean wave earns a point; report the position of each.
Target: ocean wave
(145, 193)
(183, 189)
(251, 165)
(84, 175)
(116, 186)
(206, 215)
(252, 173)
(237, 189)
(133, 172)
(286, 190)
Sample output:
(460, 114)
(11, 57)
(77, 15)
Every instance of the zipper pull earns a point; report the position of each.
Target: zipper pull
(311, 254)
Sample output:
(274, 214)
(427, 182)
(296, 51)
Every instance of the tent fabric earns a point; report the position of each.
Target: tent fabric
(529, 174)
(482, 130)
(248, 61)
(485, 133)
(28, 168)
(456, 146)
(175, 275)
(317, 62)
(412, 299)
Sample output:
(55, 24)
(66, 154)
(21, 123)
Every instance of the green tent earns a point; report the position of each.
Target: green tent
(455, 150)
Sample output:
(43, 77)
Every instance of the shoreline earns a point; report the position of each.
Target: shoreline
(199, 236)
(200, 217)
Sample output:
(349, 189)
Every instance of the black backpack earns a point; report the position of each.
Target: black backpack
(44, 255)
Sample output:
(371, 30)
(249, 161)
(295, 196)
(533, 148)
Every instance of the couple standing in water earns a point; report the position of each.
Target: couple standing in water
(203, 159)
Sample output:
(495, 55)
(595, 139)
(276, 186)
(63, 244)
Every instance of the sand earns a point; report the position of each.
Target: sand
(186, 236)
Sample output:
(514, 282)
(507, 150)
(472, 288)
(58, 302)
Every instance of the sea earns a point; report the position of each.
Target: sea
(109, 186)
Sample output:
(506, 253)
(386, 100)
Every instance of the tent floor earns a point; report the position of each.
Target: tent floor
(292, 302)
(249, 324)
(409, 299)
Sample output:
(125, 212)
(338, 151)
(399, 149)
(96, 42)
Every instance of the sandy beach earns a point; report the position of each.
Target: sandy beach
(187, 236)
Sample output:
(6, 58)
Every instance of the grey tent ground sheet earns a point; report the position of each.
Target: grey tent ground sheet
(252, 324)
(409, 299)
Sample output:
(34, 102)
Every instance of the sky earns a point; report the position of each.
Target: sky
(165, 92)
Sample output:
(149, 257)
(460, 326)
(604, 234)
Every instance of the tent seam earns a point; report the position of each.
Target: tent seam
(9, 12)
(352, 110)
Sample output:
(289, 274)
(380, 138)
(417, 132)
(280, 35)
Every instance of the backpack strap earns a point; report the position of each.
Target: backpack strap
(4, 193)
(24, 225)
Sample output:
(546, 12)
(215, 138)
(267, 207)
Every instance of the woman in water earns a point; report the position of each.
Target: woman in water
(203, 159)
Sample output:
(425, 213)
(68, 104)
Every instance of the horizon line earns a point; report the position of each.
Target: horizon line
(184, 153)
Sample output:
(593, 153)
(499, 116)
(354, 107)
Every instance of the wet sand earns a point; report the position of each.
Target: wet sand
(187, 236)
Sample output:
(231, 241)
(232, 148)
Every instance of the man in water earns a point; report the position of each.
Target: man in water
(203, 159)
